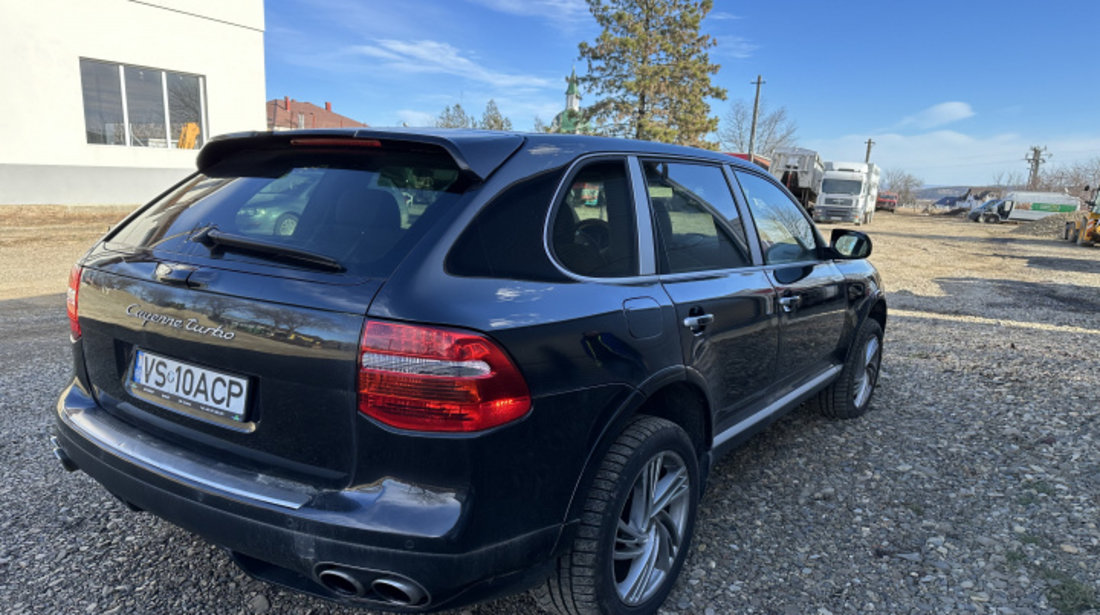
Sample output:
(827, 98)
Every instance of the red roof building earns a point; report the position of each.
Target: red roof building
(290, 114)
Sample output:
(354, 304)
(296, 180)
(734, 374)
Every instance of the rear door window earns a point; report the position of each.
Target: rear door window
(684, 199)
(363, 212)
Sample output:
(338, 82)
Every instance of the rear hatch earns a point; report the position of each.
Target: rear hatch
(226, 315)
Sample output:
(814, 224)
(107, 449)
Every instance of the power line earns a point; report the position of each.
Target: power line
(1035, 159)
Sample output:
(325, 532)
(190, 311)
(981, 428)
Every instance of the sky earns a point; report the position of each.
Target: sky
(954, 93)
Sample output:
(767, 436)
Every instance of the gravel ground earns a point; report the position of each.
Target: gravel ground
(973, 485)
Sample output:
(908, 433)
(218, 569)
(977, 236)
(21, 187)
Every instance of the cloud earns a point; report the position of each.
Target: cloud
(415, 118)
(948, 157)
(737, 47)
(722, 16)
(434, 57)
(563, 12)
(938, 115)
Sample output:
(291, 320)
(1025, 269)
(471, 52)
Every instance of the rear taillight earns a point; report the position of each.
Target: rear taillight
(432, 379)
(71, 300)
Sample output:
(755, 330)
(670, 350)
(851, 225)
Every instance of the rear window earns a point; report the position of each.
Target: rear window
(363, 211)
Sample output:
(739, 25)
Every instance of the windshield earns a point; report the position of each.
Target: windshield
(365, 216)
(841, 186)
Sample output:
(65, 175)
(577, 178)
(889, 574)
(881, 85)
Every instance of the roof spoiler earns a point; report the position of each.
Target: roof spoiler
(476, 154)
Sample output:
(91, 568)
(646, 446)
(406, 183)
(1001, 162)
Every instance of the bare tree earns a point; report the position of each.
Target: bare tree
(455, 117)
(1008, 180)
(493, 119)
(903, 183)
(1071, 178)
(773, 129)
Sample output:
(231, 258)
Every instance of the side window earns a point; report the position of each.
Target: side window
(593, 232)
(690, 238)
(785, 234)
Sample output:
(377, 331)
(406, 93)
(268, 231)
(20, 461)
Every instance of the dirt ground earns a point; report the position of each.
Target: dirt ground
(39, 243)
(972, 485)
(915, 253)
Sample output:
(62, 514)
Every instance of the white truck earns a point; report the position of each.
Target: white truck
(801, 171)
(848, 192)
(1021, 206)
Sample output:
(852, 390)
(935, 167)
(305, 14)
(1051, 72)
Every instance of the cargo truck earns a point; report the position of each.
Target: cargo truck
(1024, 206)
(848, 193)
(887, 201)
(801, 171)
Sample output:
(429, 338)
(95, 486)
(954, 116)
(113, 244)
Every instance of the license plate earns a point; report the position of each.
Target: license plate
(158, 378)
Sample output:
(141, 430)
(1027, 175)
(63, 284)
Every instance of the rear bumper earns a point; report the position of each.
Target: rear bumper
(289, 533)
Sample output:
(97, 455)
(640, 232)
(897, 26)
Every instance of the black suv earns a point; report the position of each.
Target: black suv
(476, 363)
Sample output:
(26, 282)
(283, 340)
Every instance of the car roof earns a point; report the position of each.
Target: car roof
(478, 152)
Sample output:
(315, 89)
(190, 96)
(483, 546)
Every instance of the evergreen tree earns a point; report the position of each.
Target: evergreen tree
(493, 119)
(455, 117)
(651, 66)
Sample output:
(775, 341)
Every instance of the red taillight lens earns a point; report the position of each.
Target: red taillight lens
(432, 379)
(71, 300)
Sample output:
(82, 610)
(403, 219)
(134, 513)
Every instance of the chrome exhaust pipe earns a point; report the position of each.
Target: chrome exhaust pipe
(398, 591)
(63, 457)
(341, 582)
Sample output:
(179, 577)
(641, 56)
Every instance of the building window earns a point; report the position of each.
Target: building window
(142, 107)
(102, 102)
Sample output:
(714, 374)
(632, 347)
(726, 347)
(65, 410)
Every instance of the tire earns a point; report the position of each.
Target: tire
(849, 396)
(594, 576)
(1066, 230)
(1081, 236)
(285, 225)
(1074, 235)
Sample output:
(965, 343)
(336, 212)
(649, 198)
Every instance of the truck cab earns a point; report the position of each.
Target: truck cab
(848, 193)
(887, 201)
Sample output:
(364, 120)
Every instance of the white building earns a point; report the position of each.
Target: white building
(108, 101)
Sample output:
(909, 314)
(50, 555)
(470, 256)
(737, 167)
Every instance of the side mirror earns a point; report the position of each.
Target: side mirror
(848, 244)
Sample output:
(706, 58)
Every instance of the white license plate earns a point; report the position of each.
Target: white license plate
(155, 377)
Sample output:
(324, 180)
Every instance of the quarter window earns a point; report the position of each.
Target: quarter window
(142, 107)
(690, 237)
(785, 233)
(593, 232)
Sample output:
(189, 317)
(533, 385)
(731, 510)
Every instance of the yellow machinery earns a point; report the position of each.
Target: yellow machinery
(188, 135)
(1085, 230)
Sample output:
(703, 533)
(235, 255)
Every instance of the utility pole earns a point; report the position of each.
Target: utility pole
(755, 110)
(867, 158)
(1035, 159)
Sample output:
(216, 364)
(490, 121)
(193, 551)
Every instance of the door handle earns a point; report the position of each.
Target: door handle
(698, 323)
(790, 303)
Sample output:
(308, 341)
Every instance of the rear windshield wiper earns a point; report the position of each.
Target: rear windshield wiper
(212, 238)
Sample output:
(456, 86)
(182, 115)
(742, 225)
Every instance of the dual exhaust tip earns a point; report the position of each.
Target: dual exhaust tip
(387, 588)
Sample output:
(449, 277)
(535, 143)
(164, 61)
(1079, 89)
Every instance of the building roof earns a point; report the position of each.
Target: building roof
(290, 114)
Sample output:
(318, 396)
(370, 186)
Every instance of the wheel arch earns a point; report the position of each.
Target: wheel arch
(675, 394)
